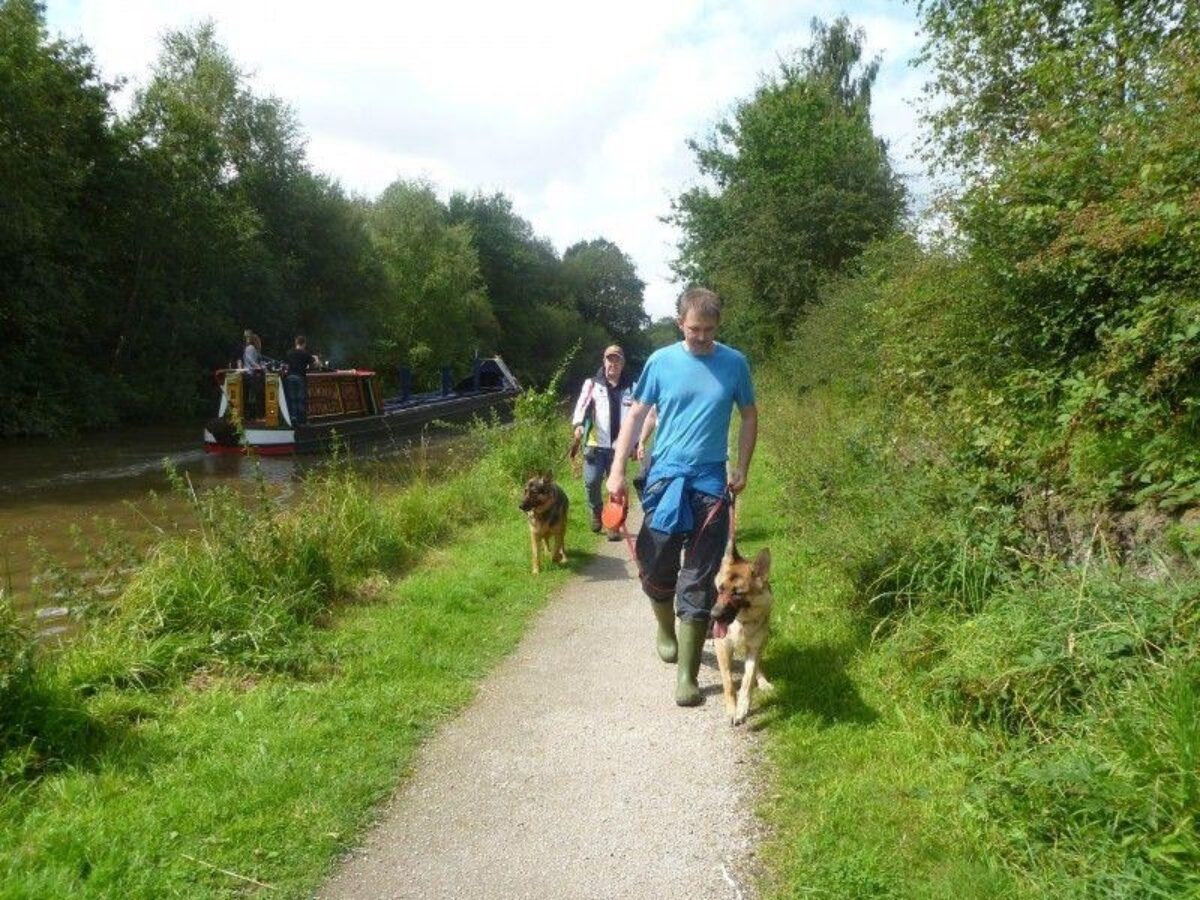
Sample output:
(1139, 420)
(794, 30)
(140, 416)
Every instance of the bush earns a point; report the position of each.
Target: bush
(40, 718)
(537, 438)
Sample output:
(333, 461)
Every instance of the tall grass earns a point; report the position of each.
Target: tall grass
(252, 587)
(1072, 666)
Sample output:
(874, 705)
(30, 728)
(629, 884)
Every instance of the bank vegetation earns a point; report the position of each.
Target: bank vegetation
(987, 467)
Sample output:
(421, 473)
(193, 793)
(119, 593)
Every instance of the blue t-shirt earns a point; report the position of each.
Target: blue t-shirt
(695, 397)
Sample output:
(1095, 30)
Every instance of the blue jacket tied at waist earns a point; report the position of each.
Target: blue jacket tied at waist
(669, 485)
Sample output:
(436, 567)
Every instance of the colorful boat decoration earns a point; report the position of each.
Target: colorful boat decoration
(254, 416)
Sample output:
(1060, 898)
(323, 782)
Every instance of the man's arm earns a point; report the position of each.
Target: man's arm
(747, 438)
(585, 394)
(630, 427)
(647, 430)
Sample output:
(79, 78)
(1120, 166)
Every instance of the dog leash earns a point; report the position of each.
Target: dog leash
(613, 517)
(617, 512)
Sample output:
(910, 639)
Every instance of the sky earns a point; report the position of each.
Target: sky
(580, 112)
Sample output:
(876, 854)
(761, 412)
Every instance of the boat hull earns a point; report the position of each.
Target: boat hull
(400, 421)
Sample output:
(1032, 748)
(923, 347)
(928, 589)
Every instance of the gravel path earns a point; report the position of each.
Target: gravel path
(573, 774)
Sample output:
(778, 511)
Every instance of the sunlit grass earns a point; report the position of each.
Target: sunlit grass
(232, 718)
(955, 715)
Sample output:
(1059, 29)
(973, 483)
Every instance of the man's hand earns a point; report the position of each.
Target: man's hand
(747, 436)
(737, 481)
(631, 426)
(616, 486)
(578, 431)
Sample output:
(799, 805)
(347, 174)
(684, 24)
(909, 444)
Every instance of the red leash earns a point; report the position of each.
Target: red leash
(614, 514)
(613, 517)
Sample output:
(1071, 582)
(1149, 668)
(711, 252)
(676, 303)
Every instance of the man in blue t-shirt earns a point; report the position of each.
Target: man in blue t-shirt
(694, 386)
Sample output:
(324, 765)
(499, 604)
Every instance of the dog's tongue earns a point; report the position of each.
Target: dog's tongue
(720, 629)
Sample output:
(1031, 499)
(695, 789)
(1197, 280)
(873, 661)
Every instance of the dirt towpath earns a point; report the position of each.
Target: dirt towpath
(573, 774)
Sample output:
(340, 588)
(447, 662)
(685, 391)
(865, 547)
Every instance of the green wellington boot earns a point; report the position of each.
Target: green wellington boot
(691, 642)
(668, 649)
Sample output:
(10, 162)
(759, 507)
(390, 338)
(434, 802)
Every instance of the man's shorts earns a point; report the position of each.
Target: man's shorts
(684, 566)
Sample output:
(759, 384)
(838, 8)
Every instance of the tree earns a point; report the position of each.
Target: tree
(1071, 126)
(57, 163)
(662, 333)
(1012, 72)
(434, 310)
(519, 268)
(602, 283)
(524, 278)
(834, 59)
(800, 185)
(212, 162)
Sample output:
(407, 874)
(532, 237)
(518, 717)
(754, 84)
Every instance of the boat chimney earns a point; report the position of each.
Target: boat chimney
(405, 383)
(447, 381)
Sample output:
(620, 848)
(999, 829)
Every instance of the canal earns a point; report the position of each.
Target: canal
(76, 511)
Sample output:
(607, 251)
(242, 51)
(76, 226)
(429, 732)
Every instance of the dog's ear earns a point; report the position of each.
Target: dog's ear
(548, 477)
(762, 563)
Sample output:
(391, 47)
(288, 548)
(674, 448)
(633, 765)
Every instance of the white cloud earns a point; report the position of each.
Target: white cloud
(579, 111)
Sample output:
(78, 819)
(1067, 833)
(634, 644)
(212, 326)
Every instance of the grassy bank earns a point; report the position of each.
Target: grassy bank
(867, 795)
(982, 693)
(236, 714)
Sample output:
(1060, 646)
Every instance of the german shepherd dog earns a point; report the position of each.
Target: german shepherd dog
(744, 604)
(546, 505)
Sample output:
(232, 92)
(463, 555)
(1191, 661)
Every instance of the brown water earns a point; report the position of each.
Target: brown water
(66, 504)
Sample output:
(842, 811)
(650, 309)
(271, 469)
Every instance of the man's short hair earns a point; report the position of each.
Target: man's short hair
(701, 301)
(300, 341)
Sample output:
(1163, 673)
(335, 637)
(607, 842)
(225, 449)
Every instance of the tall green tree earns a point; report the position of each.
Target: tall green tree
(798, 185)
(835, 59)
(524, 275)
(58, 160)
(1071, 127)
(520, 269)
(1010, 73)
(434, 309)
(602, 283)
(209, 156)
(134, 250)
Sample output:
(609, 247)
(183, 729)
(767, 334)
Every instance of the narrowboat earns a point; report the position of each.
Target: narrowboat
(254, 416)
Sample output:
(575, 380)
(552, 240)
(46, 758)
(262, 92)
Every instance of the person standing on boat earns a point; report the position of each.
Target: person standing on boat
(254, 379)
(252, 351)
(295, 385)
(603, 401)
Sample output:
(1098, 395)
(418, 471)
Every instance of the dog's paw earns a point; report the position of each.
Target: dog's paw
(764, 685)
(739, 716)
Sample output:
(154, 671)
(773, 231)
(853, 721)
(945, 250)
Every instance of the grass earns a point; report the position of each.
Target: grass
(271, 777)
(953, 716)
(865, 796)
(957, 713)
(233, 717)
